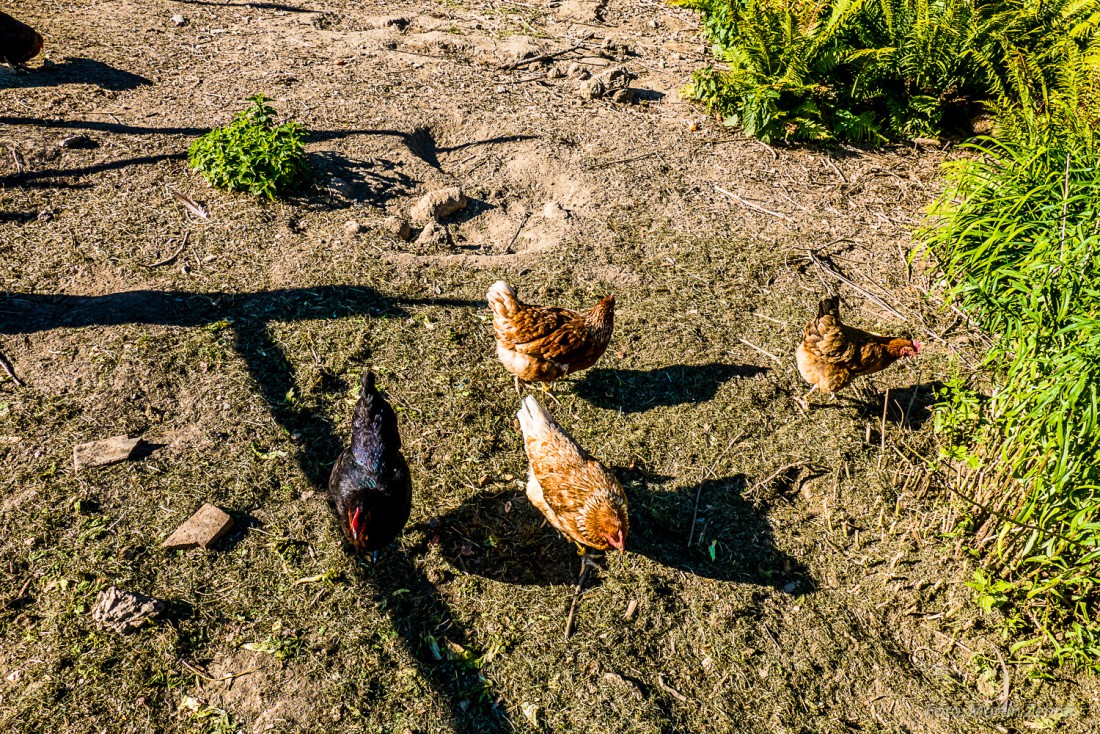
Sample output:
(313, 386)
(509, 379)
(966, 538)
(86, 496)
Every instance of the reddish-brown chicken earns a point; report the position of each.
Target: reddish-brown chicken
(19, 43)
(579, 496)
(831, 353)
(543, 344)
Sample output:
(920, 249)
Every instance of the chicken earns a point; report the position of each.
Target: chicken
(831, 354)
(370, 483)
(544, 344)
(19, 43)
(577, 494)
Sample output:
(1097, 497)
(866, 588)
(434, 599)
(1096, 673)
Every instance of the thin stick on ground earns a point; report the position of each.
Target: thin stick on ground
(6, 365)
(585, 565)
(770, 477)
(750, 205)
(171, 258)
(862, 291)
(543, 57)
(765, 352)
(670, 690)
(882, 428)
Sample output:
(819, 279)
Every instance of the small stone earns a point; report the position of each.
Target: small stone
(124, 611)
(622, 96)
(204, 528)
(178, 20)
(554, 72)
(434, 237)
(616, 78)
(398, 228)
(790, 588)
(353, 227)
(576, 71)
(438, 204)
(339, 62)
(106, 451)
(591, 88)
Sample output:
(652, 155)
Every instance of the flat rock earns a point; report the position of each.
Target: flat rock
(124, 611)
(353, 227)
(204, 528)
(105, 451)
(438, 204)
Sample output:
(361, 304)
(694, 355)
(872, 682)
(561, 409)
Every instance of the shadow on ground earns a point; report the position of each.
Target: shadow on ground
(418, 613)
(75, 71)
(634, 391)
(496, 535)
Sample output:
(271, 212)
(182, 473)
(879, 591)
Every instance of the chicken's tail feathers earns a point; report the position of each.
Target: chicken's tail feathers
(502, 299)
(366, 383)
(533, 418)
(829, 307)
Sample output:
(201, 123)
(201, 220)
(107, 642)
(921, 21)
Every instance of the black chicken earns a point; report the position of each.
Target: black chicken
(370, 483)
(19, 43)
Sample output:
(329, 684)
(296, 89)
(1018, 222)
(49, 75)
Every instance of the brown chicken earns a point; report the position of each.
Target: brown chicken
(831, 354)
(544, 344)
(579, 496)
(19, 43)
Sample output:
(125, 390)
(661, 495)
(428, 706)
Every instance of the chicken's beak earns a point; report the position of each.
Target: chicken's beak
(617, 542)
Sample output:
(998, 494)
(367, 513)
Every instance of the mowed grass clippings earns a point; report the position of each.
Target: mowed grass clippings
(463, 623)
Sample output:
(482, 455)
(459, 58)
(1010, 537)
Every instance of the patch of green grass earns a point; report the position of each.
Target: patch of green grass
(252, 153)
(1016, 236)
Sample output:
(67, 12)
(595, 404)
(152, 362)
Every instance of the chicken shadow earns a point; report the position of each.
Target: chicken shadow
(909, 406)
(75, 71)
(729, 539)
(416, 609)
(423, 620)
(495, 535)
(635, 391)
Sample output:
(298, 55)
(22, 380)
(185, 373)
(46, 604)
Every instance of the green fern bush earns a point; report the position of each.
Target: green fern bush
(867, 71)
(253, 154)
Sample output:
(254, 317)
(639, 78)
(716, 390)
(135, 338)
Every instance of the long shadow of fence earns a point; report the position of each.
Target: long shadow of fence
(420, 610)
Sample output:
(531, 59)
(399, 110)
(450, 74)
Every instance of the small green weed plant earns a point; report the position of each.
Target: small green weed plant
(252, 153)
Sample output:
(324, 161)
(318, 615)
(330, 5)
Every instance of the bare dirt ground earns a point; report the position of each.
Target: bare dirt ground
(791, 572)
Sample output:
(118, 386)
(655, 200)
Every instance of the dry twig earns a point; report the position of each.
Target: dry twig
(750, 205)
(171, 258)
(543, 57)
